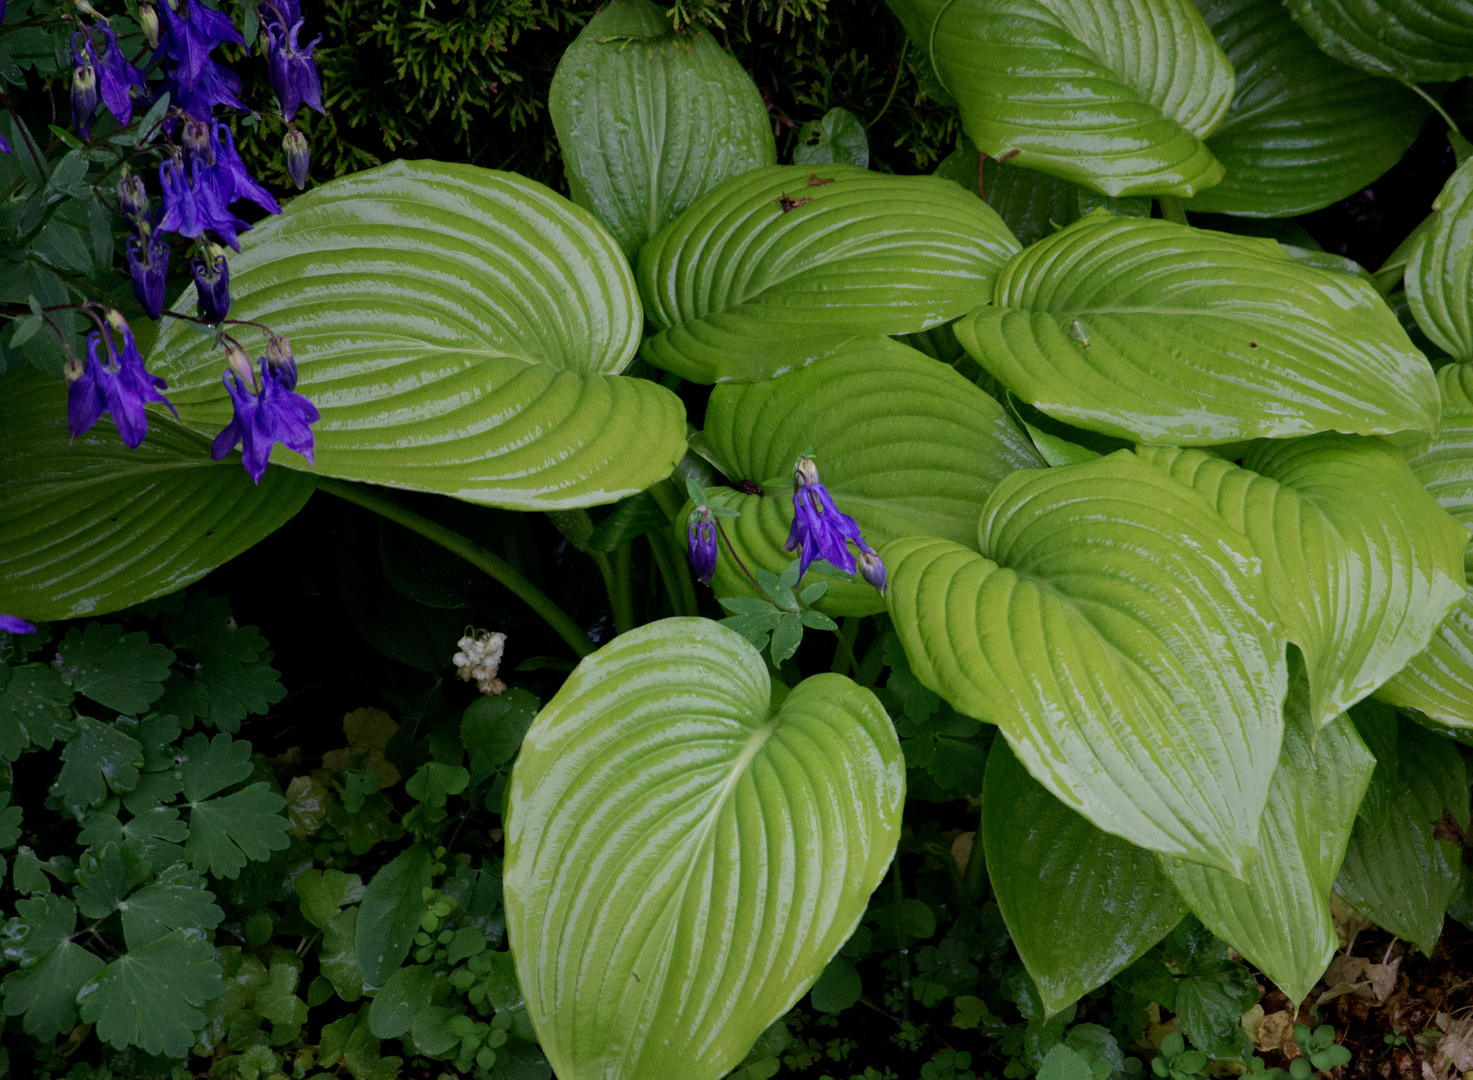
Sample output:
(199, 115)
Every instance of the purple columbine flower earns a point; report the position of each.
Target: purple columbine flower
(298, 157)
(293, 72)
(191, 203)
(820, 528)
(84, 89)
(266, 412)
(195, 82)
(140, 382)
(232, 180)
(148, 266)
(700, 543)
(9, 623)
(85, 399)
(212, 285)
(116, 77)
(5, 148)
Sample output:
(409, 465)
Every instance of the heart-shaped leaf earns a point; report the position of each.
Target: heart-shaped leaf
(781, 266)
(1111, 627)
(1403, 866)
(88, 526)
(1081, 905)
(648, 120)
(1439, 681)
(1362, 563)
(687, 848)
(459, 329)
(1439, 268)
(1118, 99)
(1414, 40)
(1304, 130)
(1278, 915)
(1161, 333)
(905, 445)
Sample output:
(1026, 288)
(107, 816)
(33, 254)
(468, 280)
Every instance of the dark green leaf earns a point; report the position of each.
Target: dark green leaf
(837, 988)
(118, 671)
(233, 664)
(35, 708)
(178, 900)
(323, 893)
(838, 137)
(99, 759)
(496, 724)
(45, 990)
(394, 1007)
(150, 997)
(390, 912)
(226, 832)
(212, 765)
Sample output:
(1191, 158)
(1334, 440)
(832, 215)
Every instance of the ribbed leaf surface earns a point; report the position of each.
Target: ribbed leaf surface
(906, 446)
(89, 526)
(647, 121)
(1416, 40)
(1439, 270)
(1362, 564)
(1278, 915)
(1111, 627)
(1081, 905)
(1304, 130)
(460, 331)
(687, 849)
(1439, 681)
(781, 266)
(1116, 95)
(1160, 333)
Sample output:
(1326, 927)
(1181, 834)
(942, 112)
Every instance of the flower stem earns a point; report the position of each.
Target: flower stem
(499, 569)
(1172, 209)
(621, 591)
(844, 650)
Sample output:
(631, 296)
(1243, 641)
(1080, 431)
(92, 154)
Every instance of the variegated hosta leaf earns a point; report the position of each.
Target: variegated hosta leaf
(1362, 564)
(1081, 905)
(687, 848)
(780, 266)
(1161, 333)
(461, 331)
(1439, 681)
(1439, 269)
(647, 121)
(1304, 130)
(1415, 40)
(88, 526)
(1278, 914)
(1112, 627)
(905, 445)
(1117, 96)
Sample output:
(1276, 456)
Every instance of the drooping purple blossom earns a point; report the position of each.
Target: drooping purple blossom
(84, 89)
(212, 285)
(192, 205)
(266, 412)
(701, 544)
(85, 399)
(820, 529)
(10, 623)
(139, 382)
(121, 386)
(148, 266)
(293, 71)
(194, 80)
(116, 77)
(232, 180)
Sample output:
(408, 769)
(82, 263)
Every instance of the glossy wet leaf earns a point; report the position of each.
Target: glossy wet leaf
(905, 445)
(460, 330)
(88, 526)
(1439, 269)
(52, 967)
(1160, 333)
(1303, 130)
(1398, 872)
(150, 997)
(1117, 97)
(123, 672)
(177, 900)
(648, 120)
(1112, 627)
(1439, 681)
(1278, 915)
(839, 136)
(1362, 563)
(35, 708)
(687, 849)
(1416, 40)
(778, 267)
(98, 761)
(1081, 905)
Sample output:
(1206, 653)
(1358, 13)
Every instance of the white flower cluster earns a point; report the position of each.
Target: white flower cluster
(479, 658)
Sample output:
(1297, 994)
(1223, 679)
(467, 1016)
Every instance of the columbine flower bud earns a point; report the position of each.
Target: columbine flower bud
(872, 569)
(298, 157)
(240, 362)
(84, 91)
(148, 21)
(87, 9)
(805, 472)
(132, 196)
(281, 361)
(701, 545)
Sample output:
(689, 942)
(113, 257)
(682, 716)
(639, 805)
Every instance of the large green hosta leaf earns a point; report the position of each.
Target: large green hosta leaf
(687, 847)
(648, 121)
(1439, 269)
(1402, 868)
(1416, 40)
(89, 526)
(1117, 97)
(1160, 333)
(1278, 915)
(1361, 562)
(905, 445)
(1081, 905)
(1303, 130)
(1111, 627)
(781, 266)
(1439, 681)
(461, 331)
